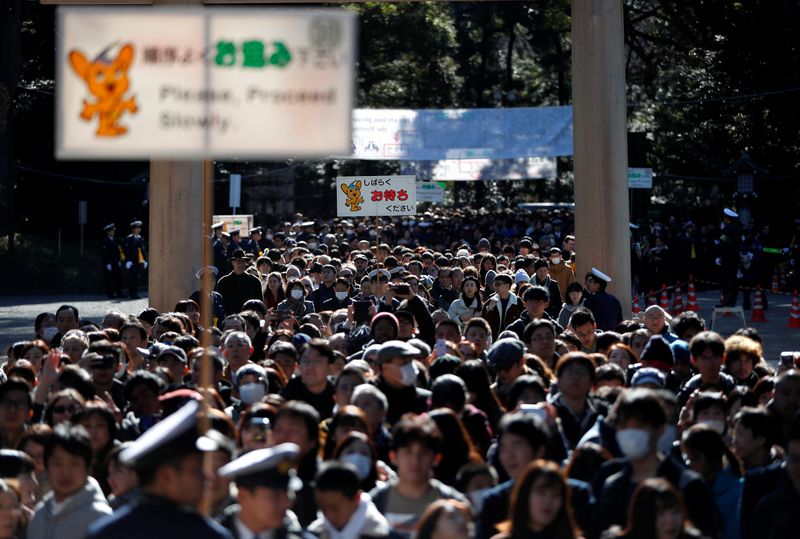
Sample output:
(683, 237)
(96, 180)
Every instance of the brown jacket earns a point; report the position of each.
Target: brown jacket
(563, 275)
(491, 312)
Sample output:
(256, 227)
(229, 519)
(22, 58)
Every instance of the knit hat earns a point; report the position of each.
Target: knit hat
(489, 280)
(540, 263)
(521, 277)
(385, 316)
(658, 352)
(648, 375)
(680, 350)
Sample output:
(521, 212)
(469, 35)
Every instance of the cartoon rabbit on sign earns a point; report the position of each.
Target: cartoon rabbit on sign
(107, 82)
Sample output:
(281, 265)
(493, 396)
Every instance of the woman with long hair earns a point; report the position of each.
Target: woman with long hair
(656, 511)
(476, 378)
(274, 292)
(460, 448)
(540, 505)
(705, 452)
(469, 304)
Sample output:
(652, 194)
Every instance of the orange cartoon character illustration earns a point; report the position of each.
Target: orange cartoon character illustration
(353, 194)
(107, 81)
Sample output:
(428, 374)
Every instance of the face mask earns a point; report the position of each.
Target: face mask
(49, 333)
(556, 260)
(297, 293)
(634, 443)
(716, 425)
(350, 231)
(409, 372)
(269, 236)
(362, 463)
(313, 245)
(252, 393)
(341, 296)
(664, 442)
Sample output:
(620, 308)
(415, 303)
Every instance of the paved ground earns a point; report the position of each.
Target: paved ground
(18, 312)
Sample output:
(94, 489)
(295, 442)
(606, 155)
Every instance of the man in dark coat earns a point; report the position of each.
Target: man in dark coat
(112, 262)
(135, 258)
(170, 469)
(730, 239)
(238, 286)
(220, 247)
(542, 277)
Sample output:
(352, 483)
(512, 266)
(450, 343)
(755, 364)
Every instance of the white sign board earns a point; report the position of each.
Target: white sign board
(397, 134)
(524, 168)
(367, 196)
(193, 83)
(232, 222)
(430, 191)
(640, 178)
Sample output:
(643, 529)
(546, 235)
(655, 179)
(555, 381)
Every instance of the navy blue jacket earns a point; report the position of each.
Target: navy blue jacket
(155, 518)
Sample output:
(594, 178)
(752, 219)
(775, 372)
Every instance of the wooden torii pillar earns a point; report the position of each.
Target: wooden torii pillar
(600, 144)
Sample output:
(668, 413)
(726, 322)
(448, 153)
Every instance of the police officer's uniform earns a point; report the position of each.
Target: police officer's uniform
(154, 516)
(112, 262)
(135, 259)
(271, 468)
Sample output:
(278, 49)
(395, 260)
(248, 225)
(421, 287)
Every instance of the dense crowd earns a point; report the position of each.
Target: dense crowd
(420, 387)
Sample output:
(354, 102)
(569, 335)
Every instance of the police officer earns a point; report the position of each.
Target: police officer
(254, 245)
(169, 463)
(730, 239)
(236, 241)
(605, 307)
(112, 261)
(221, 253)
(266, 481)
(135, 257)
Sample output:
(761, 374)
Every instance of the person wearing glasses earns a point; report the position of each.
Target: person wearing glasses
(15, 406)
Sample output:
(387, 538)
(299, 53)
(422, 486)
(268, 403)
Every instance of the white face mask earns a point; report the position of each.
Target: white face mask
(252, 393)
(716, 425)
(664, 442)
(362, 464)
(313, 245)
(634, 443)
(409, 372)
(341, 296)
(556, 260)
(297, 293)
(49, 333)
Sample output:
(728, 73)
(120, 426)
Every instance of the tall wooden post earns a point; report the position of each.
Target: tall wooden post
(600, 143)
(176, 224)
(176, 231)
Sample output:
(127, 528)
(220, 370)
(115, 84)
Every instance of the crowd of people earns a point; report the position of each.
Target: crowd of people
(428, 389)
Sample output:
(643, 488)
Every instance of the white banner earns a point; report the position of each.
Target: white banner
(192, 83)
(525, 168)
(397, 134)
(368, 196)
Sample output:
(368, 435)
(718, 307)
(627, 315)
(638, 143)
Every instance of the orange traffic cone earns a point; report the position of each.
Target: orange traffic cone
(636, 310)
(776, 287)
(651, 298)
(677, 300)
(664, 303)
(794, 314)
(758, 307)
(691, 302)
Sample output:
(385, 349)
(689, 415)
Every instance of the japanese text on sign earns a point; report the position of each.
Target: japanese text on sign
(376, 195)
(195, 83)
